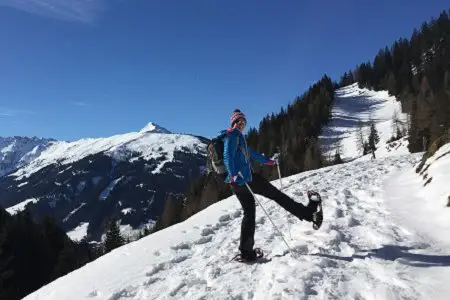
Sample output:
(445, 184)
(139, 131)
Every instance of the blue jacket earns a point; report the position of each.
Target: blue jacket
(237, 155)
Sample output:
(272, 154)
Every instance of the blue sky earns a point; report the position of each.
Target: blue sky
(76, 68)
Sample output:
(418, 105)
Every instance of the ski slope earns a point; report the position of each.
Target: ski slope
(353, 105)
(370, 246)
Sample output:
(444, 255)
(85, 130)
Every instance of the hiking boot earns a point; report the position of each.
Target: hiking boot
(247, 256)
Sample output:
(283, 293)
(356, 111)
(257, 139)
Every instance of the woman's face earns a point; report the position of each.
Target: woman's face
(241, 124)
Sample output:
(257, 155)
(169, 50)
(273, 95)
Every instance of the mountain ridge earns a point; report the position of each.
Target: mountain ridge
(87, 181)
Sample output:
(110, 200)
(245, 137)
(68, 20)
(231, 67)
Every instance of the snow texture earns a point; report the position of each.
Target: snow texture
(426, 195)
(16, 152)
(377, 242)
(74, 211)
(152, 127)
(353, 104)
(152, 142)
(127, 211)
(79, 232)
(105, 193)
(21, 206)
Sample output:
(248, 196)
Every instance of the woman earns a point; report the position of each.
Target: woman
(237, 157)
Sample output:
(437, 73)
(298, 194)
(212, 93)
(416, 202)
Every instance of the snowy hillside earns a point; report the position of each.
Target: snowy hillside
(84, 183)
(16, 152)
(152, 142)
(353, 104)
(367, 247)
(427, 194)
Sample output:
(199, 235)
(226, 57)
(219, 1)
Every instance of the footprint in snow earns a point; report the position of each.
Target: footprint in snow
(225, 218)
(207, 231)
(129, 292)
(261, 221)
(188, 284)
(213, 273)
(156, 269)
(182, 246)
(151, 281)
(237, 213)
(352, 222)
(179, 259)
(301, 249)
(94, 293)
(203, 240)
(339, 213)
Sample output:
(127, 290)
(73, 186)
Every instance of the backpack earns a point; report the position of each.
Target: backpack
(215, 149)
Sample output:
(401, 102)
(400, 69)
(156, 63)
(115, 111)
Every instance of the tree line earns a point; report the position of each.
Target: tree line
(35, 254)
(417, 72)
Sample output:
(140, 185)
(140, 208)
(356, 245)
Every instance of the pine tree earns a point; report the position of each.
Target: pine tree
(360, 137)
(6, 271)
(397, 127)
(373, 137)
(114, 238)
(337, 158)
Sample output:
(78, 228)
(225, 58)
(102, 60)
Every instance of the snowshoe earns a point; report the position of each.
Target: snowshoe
(253, 256)
(315, 203)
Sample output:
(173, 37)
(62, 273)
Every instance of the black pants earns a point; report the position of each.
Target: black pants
(261, 186)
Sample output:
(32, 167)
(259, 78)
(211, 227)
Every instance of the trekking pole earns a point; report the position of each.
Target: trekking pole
(281, 188)
(275, 226)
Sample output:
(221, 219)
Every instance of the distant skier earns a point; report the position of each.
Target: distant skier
(236, 158)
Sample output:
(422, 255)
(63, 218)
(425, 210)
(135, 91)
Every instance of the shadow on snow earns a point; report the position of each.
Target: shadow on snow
(400, 254)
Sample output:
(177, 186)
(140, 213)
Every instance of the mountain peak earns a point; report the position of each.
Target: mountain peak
(155, 128)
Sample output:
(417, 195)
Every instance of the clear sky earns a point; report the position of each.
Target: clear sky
(92, 68)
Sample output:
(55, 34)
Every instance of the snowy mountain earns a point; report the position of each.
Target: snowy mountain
(83, 183)
(353, 105)
(379, 240)
(16, 152)
(152, 127)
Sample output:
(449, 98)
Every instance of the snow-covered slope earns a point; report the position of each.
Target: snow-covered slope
(155, 128)
(16, 152)
(84, 183)
(152, 142)
(353, 104)
(364, 250)
(426, 195)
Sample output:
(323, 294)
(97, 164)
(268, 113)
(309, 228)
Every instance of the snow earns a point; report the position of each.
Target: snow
(149, 143)
(424, 206)
(353, 104)
(16, 152)
(105, 193)
(21, 206)
(22, 184)
(125, 230)
(152, 127)
(373, 244)
(128, 232)
(74, 211)
(79, 232)
(127, 211)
